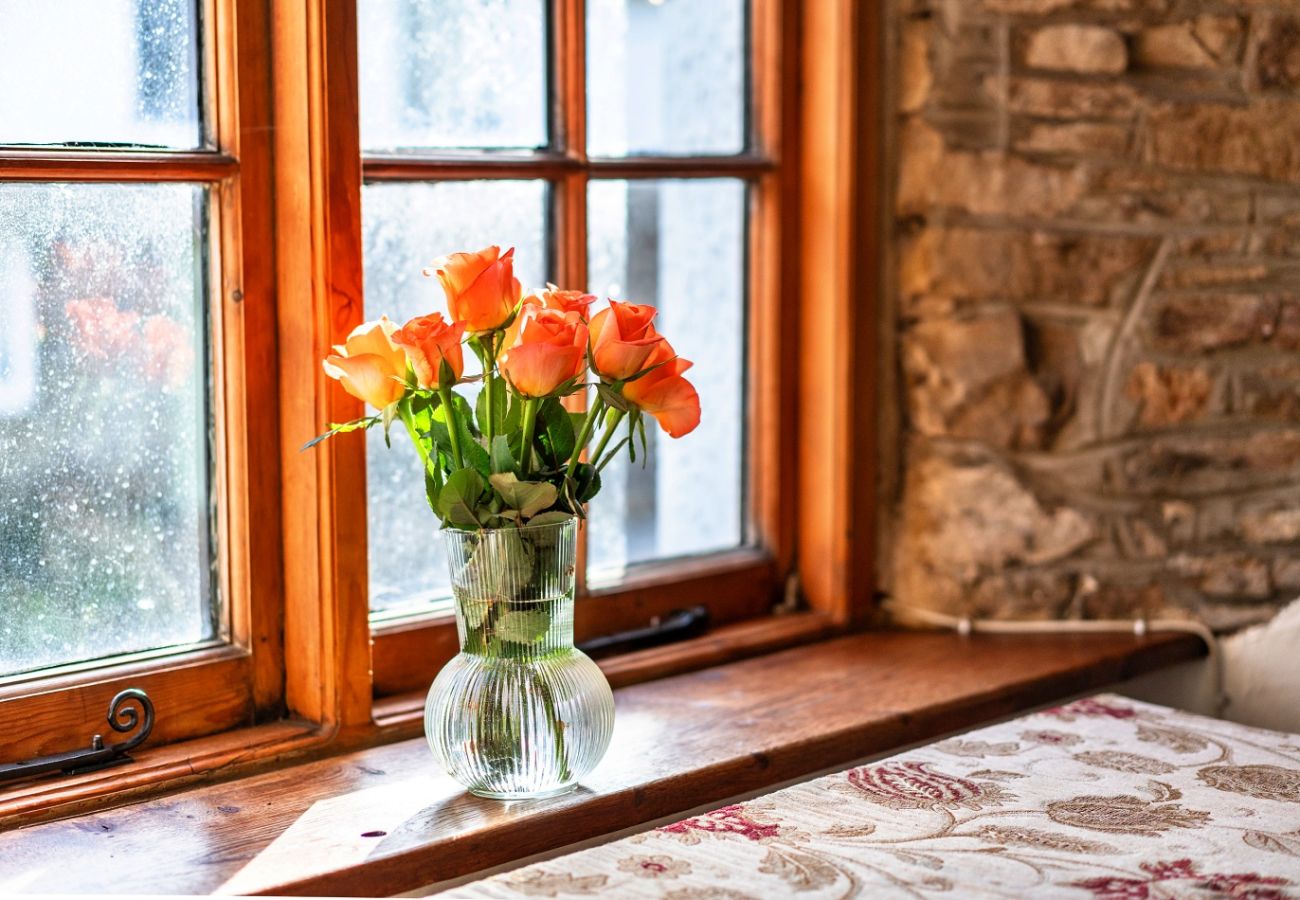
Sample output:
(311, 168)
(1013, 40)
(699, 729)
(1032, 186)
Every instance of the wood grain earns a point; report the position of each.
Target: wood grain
(115, 165)
(383, 820)
(836, 389)
(318, 251)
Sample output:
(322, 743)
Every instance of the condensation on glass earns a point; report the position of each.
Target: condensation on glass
(404, 226)
(679, 245)
(100, 71)
(452, 74)
(665, 77)
(105, 544)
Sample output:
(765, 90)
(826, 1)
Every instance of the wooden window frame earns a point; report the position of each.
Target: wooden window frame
(296, 677)
(738, 584)
(235, 681)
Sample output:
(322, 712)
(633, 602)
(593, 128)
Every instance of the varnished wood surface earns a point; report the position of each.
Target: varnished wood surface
(384, 820)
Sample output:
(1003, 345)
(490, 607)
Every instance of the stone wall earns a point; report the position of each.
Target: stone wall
(1096, 287)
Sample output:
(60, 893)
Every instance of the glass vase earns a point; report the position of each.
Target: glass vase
(519, 712)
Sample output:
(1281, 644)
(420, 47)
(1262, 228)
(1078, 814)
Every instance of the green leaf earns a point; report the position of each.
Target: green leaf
(556, 433)
(586, 481)
(613, 452)
(638, 423)
(500, 399)
(459, 497)
(343, 428)
(522, 626)
(551, 517)
(612, 397)
(502, 459)
(529, 497)
(432, 486)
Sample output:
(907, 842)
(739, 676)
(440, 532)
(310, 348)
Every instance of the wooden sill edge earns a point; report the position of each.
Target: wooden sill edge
(255, 749)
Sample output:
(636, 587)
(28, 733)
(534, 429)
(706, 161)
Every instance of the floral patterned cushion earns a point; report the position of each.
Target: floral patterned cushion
(1101, 798)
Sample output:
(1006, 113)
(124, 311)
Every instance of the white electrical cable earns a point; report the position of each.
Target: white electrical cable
(966, 625)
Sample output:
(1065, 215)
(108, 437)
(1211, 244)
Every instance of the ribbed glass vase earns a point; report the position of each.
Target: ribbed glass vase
(519, 712)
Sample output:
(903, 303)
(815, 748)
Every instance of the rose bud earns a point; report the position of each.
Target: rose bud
(429, 341)
(622, 339)
(549, 349)
(481, 287)
(369, 366)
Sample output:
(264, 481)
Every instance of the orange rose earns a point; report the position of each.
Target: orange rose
(549, 349)
(429, 342)
(622, 339)
(564, 301)
(665, 394)
(369, 366)
(551, 298)
(102, 330)
(481, 287)
(169, 352)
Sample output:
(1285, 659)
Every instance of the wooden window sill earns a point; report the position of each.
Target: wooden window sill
(382, 820)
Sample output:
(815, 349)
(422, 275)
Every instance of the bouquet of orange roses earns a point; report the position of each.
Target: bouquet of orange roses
(515, 456)
(519, 712)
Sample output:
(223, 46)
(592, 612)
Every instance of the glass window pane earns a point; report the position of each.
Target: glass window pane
(665, 77)
(452, 73)
(105, 71)
(105, 545)
(405, 227)
(679, 245)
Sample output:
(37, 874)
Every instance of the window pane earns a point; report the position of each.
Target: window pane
(452, 73)
(679, 245)
(406, 226)
(107, 71)
(104, 506)
(665, 77)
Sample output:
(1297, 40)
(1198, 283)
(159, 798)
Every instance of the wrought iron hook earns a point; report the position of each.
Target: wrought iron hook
(123, 717)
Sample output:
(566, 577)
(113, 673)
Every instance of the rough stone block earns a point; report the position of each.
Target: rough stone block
(1046, 7)
(1212, 462)
(1260, 139)
(1200, 323)
(1058, 99)
(1205, 42)
(915, 76)
(1076, 48)
(967, 378)
(1076, 138)
(1277, 57)
(1168, 395)
(964, 518)
(1016, 264)
(984, 183)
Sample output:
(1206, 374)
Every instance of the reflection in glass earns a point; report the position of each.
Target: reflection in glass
(104, 506)
(106, 71)
(665, 77)
(452, 73)
(405, 226)
(680, 246)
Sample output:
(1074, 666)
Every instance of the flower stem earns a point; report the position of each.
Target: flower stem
(611, 425)
(584, 435)
(488, 358)
(453, 425)
(530, 425)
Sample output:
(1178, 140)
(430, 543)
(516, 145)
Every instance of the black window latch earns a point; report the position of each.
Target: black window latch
(677, 625)
(123, 718)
